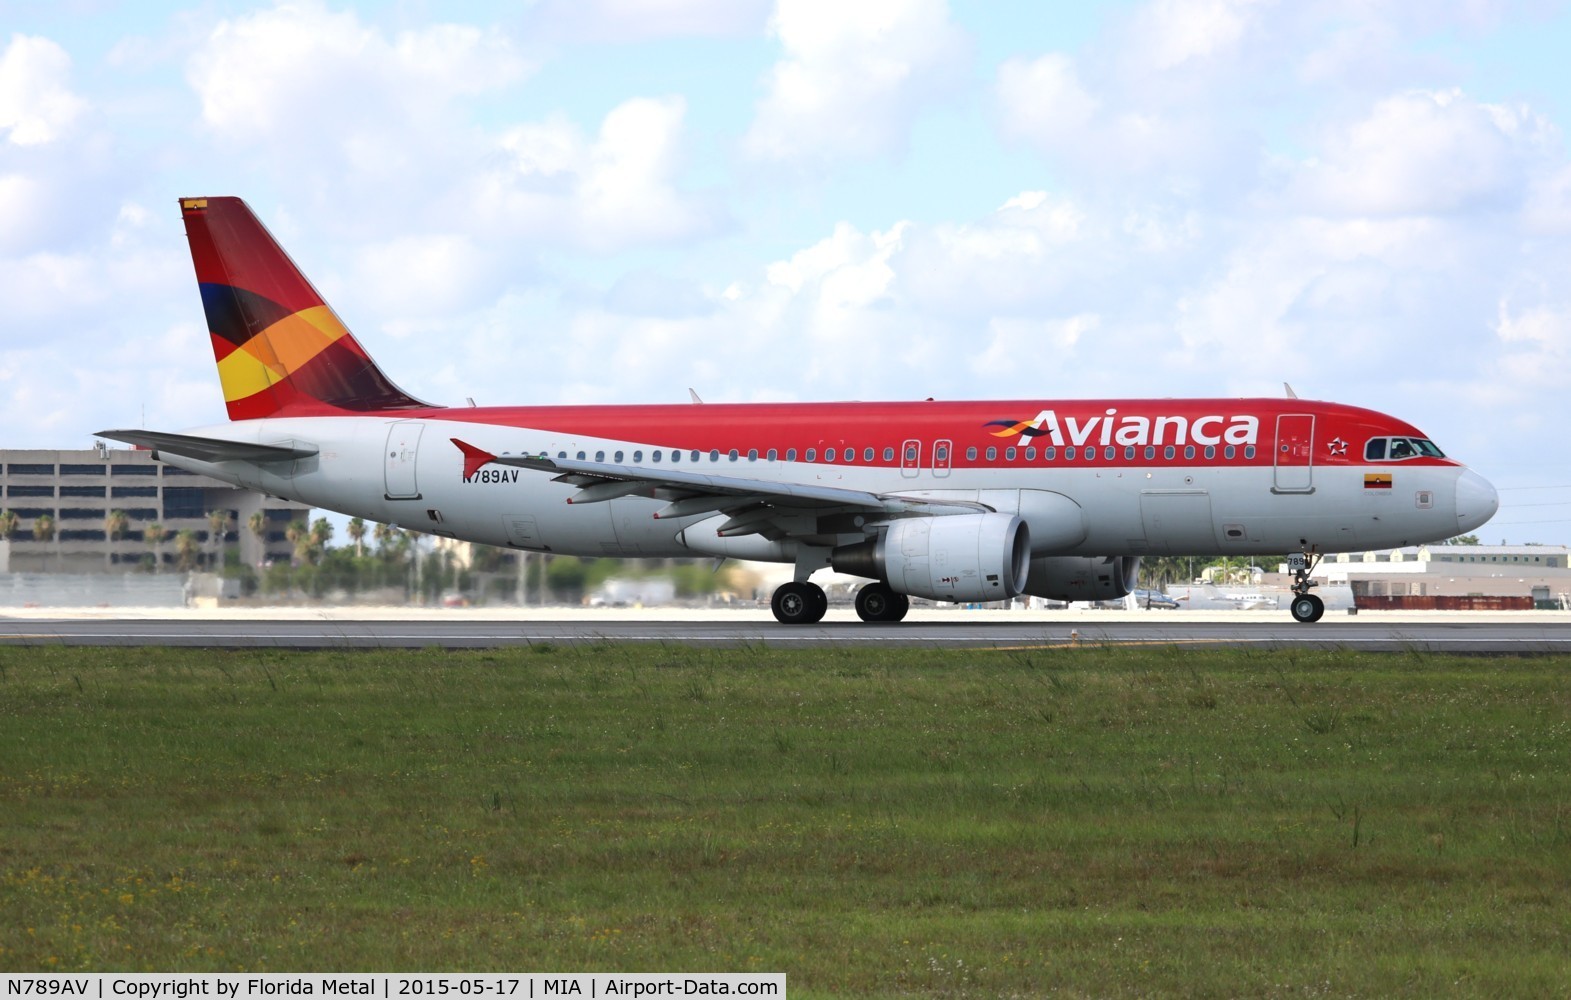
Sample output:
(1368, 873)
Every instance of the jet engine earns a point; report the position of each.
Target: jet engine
(1082, 578)
(952, 557)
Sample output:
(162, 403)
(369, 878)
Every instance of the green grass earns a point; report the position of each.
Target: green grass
(1094, 821)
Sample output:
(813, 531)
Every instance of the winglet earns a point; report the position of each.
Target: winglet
(474, 457)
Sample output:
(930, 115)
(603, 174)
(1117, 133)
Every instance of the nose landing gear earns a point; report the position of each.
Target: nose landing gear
(1306, 607)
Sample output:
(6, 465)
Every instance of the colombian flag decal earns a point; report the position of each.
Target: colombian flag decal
(1377, 480)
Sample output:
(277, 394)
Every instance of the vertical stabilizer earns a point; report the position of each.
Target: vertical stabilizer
(280, 348)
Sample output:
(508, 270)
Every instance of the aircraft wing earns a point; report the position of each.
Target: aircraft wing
(751, 502)
(204, 449)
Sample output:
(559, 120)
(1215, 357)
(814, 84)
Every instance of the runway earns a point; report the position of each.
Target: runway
(1527, 635)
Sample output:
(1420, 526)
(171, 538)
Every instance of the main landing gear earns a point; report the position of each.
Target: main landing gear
(799, 603)
(877, 602)
(803, 603)
(1306, 607)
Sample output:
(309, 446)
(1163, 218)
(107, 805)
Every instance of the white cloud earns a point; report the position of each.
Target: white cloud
(648, 20)
(615, 190)
(1169, 33)
(36, 105)
(853, 77)
(1425, 152)
(301, 73)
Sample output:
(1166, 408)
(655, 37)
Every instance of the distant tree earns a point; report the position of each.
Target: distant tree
(43, 527)
(384, 535)
(357, 530)
(321, 534)
(217, 528)
(188, 550)
(153, 535)
(1464, 540)
(116, 524)
(257, 525)
(9, 522)
(299, 536)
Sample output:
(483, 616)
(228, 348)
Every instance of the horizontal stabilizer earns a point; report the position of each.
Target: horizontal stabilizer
(205, 449)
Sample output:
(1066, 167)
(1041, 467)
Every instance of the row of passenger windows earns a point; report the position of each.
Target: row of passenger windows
(941, 454)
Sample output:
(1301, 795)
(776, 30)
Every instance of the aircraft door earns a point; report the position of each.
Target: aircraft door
(403, 449)
(1295, 450)
(941, 457)
(911, 459)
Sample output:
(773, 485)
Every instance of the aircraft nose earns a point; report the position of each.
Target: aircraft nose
(1476, 501)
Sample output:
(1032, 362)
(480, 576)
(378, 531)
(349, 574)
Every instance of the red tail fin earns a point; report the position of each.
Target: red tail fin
(280, 348)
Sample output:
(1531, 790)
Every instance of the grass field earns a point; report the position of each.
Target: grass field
(1092, 822)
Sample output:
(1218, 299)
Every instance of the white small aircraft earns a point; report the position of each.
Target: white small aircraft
(952, 501)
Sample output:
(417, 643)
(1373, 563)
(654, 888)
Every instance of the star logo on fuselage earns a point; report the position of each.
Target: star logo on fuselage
(1338, 447)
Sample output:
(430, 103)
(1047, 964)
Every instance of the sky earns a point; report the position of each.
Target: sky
(580, 201)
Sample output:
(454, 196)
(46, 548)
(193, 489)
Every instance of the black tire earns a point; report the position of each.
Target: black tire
(799, 603)
(1307, 608)
(877, 602)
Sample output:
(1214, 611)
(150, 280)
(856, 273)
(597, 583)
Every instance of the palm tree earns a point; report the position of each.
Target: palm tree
(218, 527)
(321, 534)
(257, 525)
(8, 524)
(44, 530)
(187, 549)
(116, 524)
(357, 535)
(153, 535)
(384, 535)
(300, 537)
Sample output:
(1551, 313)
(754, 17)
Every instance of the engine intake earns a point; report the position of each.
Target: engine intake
(1082, 578)
(955, 557)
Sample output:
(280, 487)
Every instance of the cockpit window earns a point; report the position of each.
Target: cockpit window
(1397, 449)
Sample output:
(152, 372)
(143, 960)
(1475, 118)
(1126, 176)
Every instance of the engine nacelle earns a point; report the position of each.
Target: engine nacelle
(952, 557)
(1082, 578)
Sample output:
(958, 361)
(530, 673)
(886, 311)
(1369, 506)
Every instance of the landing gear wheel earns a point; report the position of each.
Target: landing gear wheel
(1307, 608)
(799, 603)
(876, 602)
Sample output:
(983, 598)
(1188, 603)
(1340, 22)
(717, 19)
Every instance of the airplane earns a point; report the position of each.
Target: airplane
(950, 501)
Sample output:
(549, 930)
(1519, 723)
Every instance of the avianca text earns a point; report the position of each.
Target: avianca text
(1133, 429)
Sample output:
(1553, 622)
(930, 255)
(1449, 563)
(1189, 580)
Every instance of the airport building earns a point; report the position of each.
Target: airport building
(1542, 572)
(62, 501)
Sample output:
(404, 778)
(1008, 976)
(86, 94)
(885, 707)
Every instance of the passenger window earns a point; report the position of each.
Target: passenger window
(580, 456)
(1210, 451)
(732, 455)
(1111, 453)
(992, 454)
(1069, 453)
(655, 456)
(1375, 450)
(561, 454)
(867, 455)
(1030, 454)
(714, 454)
(889, 454)
(1150, 453)
(971, 454)
(752, 454)
(790, 454)
(618, 456)
(829, 454)
(812, 453)
(1009, 454)
(773, 456)
(1048, 454)
(676, 456)
(1189, 451)
(1169, 452)
(693, 455)
(1129, 453)
(1229, 452)
(941, 454)
(1249, 451)
(599, 456)
(911, 453)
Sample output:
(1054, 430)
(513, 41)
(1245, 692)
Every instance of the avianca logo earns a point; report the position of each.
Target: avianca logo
(1110, 428)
